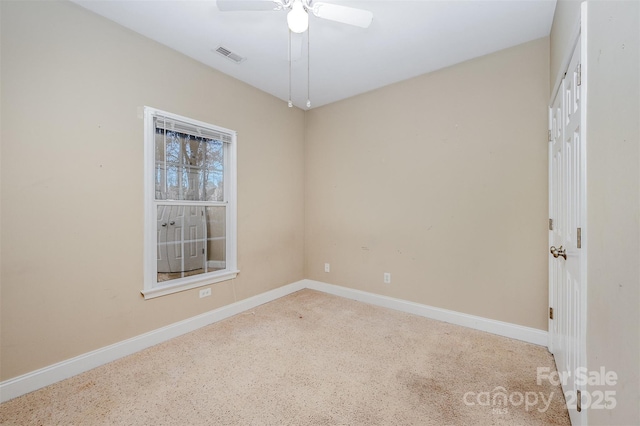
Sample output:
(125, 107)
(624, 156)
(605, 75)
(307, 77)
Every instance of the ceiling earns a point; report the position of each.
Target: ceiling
(405, 39)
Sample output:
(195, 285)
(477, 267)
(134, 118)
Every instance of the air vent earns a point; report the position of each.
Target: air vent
(229, 54)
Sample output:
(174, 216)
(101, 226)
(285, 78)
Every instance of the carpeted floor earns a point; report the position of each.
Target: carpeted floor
(310, 359)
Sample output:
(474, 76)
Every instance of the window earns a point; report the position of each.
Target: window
(190, 203)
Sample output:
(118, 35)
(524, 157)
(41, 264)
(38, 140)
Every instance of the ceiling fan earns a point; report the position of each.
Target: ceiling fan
(298, 11)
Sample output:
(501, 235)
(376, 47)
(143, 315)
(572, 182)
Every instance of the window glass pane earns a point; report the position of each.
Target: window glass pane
(188, 167)
(216, 237)
(191, 241)
(212, 164)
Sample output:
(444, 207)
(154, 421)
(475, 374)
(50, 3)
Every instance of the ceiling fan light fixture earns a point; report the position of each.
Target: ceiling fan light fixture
(297, 18)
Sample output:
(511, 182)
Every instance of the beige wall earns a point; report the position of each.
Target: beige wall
(440, 180)
(72, 183)
(613, 190)
(613, 202)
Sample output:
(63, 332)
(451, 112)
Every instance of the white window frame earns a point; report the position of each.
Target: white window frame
(152, 288)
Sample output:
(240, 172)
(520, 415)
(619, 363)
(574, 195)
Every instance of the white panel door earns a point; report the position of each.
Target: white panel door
(181, 238)
(566, 210)
(193, 237)
(556, 213)
(162, 231)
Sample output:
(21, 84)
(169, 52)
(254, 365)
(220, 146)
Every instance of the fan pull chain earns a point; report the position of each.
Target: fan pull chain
(308, 67)
(290, 103)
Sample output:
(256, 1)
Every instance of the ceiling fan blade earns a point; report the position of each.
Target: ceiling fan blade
(246, 5)
(343, 14)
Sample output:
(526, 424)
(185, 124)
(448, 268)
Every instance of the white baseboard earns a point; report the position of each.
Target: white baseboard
(513, 331)
(37, 379)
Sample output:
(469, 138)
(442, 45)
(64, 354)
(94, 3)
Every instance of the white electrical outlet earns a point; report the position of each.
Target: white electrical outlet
(387, 278)
(327, 267)
(205, 292)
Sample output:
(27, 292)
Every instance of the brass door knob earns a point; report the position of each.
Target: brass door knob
(557, 252)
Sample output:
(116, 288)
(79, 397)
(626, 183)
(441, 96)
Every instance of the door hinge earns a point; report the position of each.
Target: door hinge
(202, 251)
(550, 313)
(579, 238)
(549, 135)
(550, 224)
(579, 400)
(579, 71)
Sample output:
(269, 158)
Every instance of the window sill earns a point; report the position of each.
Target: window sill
(192, 283)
